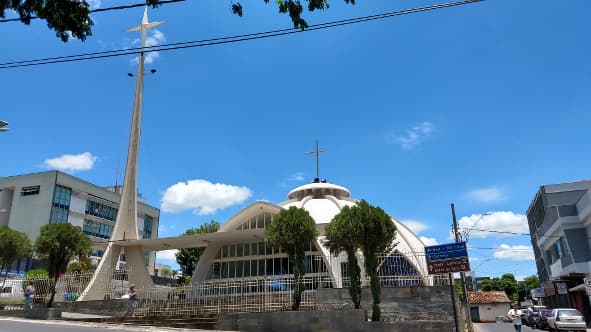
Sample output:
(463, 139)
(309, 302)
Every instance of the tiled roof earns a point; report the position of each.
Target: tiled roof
(488, 297)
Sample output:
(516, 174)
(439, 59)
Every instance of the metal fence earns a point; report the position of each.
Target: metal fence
(261, 294)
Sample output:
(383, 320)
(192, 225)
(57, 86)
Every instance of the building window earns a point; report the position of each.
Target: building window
(97, 229)
(148, 227)
(31, 190)
(61, 205)
(101, 210)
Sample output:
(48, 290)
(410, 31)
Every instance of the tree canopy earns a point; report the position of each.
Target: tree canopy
(376, 237)
(188, 258)
(506, 283)
(60, 243)
(64, 16)
(13, 245)
(72, 17)
(342, 235)
(369, 229)
(292, 230)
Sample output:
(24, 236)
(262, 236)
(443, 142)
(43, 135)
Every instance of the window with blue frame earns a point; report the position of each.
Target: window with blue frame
(97, 229)
(148, 221)
(61, 205)
(101, 210)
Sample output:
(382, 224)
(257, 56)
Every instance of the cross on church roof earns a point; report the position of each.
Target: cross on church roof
(317, 153)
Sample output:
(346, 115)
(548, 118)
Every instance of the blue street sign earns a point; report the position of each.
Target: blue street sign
(446, 251)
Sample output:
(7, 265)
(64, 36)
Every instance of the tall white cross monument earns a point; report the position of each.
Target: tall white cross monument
(126, 222)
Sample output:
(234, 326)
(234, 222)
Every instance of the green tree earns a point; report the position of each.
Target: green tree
(376, 237)
(506, 283)
(342, 235)
(510, 286)
(165, 272)
(531, 282)
(60, 243)
(292, 230)
(188, 258)
(64, 16)
(13, 245)
(72, 17)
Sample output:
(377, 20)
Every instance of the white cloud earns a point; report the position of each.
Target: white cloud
(154, 38)
(429, 241)
(498, 224)
(297, 176)
(167, 255)
(415, 136)
(72, 162)
(203, 196)
(514, 253)
(414, 225)
(491, 194)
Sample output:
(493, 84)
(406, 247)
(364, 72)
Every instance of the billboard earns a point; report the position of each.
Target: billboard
(447, 258)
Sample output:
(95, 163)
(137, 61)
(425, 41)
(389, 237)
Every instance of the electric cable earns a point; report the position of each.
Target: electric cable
(225, 40)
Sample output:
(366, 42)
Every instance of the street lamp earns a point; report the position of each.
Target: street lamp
(3, 125)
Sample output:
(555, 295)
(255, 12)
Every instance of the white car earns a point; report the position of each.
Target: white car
(566, 319)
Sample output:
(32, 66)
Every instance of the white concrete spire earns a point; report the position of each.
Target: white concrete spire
(126, 221)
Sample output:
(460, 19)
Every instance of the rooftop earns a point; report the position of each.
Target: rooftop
(488, 297)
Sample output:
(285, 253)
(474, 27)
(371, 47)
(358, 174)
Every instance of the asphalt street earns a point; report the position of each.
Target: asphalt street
(25, 325)
(504, 327)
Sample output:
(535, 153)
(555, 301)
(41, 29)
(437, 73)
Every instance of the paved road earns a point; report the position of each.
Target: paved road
(25, 325)
(505, 327)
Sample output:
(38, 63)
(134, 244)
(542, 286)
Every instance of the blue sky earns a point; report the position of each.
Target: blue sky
(477, 105)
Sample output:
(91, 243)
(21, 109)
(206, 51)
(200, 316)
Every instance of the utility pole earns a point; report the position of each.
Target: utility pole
(462, 274)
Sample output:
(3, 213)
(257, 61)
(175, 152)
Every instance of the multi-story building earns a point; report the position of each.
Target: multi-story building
(29, 201)
(559, 220)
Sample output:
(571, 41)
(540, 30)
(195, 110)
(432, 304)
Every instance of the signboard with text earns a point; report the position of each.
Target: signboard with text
(447, 258)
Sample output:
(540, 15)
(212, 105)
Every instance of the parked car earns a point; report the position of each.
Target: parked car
(543, 318)
(566, 319)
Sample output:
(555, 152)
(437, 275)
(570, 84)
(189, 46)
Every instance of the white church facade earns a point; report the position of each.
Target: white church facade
(229, 256)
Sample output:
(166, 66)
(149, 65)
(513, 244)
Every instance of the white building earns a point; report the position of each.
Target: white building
(29, 201)
(230, 256)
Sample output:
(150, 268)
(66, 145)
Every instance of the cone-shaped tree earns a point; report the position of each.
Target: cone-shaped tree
(342, 235)
(292, 230)
(377, 233)
(59, 243)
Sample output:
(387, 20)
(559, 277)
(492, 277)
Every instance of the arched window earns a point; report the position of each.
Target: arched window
(394, 267)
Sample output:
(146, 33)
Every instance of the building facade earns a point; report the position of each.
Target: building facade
(559, 220)
(238, 250)
(30, 201)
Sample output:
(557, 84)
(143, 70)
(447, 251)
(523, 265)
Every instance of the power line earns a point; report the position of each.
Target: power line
(515, 233)
(225, 40)
(163, 2)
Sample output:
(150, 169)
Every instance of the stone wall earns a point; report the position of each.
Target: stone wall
(403, 310)
(105, 308)
(397, 303)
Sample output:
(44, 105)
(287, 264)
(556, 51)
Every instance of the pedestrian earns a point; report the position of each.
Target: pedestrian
(515, 316)
(132, 295)
(29, 295)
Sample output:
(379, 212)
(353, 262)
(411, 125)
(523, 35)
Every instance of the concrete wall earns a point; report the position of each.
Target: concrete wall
(490, 311)
(403, 309)
(105, 308)
(321, 321)
(397, 303)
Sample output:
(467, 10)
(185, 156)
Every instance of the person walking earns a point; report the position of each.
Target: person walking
(29, 295)
(132, 296)
(515, 316)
